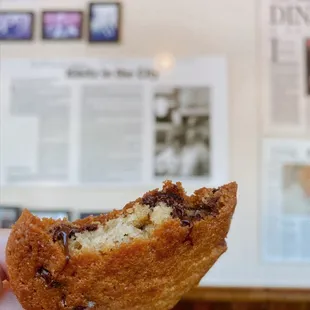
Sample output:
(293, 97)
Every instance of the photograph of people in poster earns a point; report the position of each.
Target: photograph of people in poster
(104, 22)
(182, 143)
(62, 25)
(16, 26)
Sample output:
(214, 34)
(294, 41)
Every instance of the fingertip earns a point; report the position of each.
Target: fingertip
(6, 285)
(3, 275)
(4, 235)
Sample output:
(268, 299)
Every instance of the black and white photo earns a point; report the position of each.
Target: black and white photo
(182, 129)
(8, 215)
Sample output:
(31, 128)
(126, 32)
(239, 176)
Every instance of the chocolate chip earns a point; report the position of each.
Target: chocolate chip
(55, 284)
(170, 197)
(210, 206)
(79, 308)
(180, 207)
(91, 227)
(185, 223)
(188, 236)
(48, 278)
(63, 300)
(62, 229)
(64, 232)
(198, 216)
(45, 274)
(178, 211)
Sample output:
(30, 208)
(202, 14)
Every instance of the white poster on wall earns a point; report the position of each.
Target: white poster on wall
(286, 200)
(101, 122)
(286, 66)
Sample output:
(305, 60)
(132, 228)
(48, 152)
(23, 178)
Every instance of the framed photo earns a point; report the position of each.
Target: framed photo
(308, 66)
(16, 26)
(83, 215)
(104, 22)
(54, 214)
(8, 215)
(183, 143)
(296, 189)
(62, 25)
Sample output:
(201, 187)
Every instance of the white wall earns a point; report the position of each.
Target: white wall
(187, 27)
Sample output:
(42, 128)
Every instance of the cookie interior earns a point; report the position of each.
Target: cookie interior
(139, 219)
(139, 222)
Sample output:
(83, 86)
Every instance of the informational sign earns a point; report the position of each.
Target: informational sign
(95, 122)
(286, 66)
(286, 200)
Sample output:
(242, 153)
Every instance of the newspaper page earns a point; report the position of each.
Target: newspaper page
(286, 66)
(286, 200)
(103, 122)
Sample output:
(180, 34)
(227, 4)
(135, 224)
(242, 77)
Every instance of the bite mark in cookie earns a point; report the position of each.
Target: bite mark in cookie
(138, 222)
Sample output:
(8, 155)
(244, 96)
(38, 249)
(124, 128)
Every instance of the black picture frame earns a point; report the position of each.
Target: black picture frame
(44, 37)
(31, 26)
(114, 39)
(51, 213)
(5, 220)
(307, 65)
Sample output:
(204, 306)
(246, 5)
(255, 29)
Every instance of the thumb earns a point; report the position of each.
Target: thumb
(4, 234)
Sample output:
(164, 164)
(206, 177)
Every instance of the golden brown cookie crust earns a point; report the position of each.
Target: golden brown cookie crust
(143, 274)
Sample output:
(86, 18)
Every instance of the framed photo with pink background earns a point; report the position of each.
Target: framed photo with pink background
(62, 25)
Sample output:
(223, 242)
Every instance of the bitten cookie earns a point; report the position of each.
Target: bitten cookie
(145, 256)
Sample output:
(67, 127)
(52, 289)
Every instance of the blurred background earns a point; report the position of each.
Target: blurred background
(101, 102)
